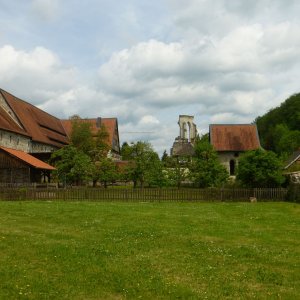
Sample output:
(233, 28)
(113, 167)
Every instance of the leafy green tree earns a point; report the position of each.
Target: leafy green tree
(176, 172)
(165, 158)
(279, 129)
(286, 140)
(81, 136)
(260, 168)
(126, 151)
(101, 146)
(206, 170)
(73, 166)
(154, 172)
(105, 171)
(144, 164)
(81, 160)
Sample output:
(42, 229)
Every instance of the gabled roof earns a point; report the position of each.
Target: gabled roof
(111, 125)
(37, 124)
(294, 157)
(234, 137)
(7, 123)
(27, 158)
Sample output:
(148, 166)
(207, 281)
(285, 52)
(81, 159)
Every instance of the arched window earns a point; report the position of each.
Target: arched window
(232, 167)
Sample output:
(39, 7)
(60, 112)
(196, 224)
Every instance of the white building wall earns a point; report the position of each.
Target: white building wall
(226, 157)
(14, 141)
(36, 147)
(23, 143)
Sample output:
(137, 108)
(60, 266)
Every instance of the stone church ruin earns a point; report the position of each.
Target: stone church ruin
(184, 143)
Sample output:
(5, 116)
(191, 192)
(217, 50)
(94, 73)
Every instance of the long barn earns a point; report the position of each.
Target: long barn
(29, 134)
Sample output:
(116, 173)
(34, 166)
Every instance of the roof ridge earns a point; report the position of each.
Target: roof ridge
(30, 104)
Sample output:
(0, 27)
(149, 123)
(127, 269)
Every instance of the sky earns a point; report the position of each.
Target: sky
(147, 62)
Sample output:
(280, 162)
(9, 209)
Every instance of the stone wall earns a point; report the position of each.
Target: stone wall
(14, 141)
(226, 157)
(36, 147)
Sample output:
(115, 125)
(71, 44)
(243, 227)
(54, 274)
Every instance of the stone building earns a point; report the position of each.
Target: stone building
(35, 133)
(184, 143)
(231, 140)
(29, 129)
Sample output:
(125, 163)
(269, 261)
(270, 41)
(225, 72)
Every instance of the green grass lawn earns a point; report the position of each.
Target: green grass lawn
(60, 250)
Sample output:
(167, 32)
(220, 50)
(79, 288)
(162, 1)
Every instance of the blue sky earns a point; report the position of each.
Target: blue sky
(146, 62)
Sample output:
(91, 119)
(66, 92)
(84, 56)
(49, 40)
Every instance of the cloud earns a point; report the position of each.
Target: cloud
(149, 120)
(223, 60)
(35, 75)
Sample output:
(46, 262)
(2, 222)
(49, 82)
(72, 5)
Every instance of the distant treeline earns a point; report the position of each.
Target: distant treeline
(279, 129)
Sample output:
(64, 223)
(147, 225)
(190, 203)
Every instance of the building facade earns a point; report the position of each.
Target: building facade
(30, 130)
(231, 140)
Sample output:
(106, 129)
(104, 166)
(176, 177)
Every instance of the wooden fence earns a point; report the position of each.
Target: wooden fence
(147, 195)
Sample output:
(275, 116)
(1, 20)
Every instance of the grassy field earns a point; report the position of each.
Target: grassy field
(59, 250)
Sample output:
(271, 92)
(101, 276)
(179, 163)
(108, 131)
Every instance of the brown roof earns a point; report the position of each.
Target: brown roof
(238, 137)
(111, 125)
(39, 125)
(28, 159)
(7, 123)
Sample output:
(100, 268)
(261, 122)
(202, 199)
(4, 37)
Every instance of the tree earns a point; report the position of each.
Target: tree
(86, 157)
(259, 168)
(144, 164)
(206, 170)
(176, 172)
(105, 171)
(81, 136)
(154, 171)
(286, 140)
(126, 151)
(101, 146)
(73, 166)
(165, 158)
(279, 129)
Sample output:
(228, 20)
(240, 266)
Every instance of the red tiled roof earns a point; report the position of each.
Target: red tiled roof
(39, 125)
(238, 137)
(109, 123)
(28, 159)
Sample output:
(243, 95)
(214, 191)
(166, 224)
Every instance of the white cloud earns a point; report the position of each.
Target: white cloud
(223, 60)
(34, 75)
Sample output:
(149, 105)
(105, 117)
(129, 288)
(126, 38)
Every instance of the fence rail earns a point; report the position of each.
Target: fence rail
(155, 195)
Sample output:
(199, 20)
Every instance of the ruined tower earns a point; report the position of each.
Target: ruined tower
(183, 145)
